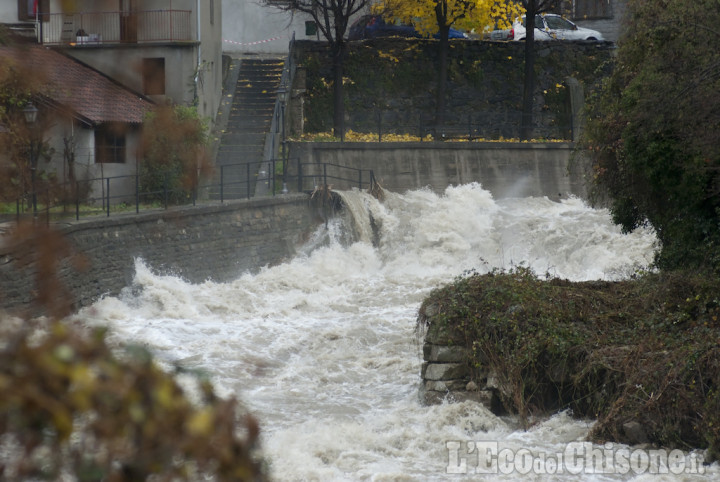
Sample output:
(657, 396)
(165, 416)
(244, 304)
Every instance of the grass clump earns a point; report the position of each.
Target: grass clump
(643, 351)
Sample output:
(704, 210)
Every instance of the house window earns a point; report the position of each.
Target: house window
(110, 143)
(592, 9)
(154, 76)
(27, 9)
(212, 12)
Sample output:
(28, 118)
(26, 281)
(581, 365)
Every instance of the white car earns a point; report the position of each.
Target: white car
(550, 26)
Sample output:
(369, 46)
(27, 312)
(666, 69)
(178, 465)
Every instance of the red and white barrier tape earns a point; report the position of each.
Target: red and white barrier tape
(252, 43)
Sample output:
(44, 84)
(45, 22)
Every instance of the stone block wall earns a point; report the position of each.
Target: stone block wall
(210, 242)
(445, 372)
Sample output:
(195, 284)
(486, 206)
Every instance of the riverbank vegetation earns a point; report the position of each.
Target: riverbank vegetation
(654, 129)
(641, 356)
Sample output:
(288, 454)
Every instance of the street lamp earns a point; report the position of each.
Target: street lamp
(30, 112)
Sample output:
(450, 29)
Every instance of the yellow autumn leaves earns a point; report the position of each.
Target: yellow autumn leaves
(468, 15)
(352, 136)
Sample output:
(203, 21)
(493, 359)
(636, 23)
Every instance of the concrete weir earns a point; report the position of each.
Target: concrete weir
(506, 169)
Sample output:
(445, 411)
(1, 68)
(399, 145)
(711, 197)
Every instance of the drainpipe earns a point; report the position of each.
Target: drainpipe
(199, 52)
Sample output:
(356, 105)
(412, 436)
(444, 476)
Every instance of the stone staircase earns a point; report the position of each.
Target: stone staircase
(247, 124)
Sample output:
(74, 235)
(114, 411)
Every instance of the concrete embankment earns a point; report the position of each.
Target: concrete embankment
(506, 169)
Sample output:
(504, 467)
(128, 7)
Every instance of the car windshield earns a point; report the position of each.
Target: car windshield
(538, 22)
(559, 23)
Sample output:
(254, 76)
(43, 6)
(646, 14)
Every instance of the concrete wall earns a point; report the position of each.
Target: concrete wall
(221, 241)
(83, 138)
(255, 27)
(505, 169)
(612, 28)
(218, 242)
(8, 12)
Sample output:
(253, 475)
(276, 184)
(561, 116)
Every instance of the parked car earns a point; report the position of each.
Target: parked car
(548, 26)
(374, 26)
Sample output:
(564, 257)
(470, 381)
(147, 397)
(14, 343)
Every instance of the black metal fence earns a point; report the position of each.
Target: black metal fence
(123, 195)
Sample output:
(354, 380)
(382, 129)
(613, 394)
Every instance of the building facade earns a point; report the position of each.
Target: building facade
(158, 51)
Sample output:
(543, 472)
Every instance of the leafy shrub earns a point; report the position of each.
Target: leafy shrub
(654, 130)
(69, 406)
(173, 153)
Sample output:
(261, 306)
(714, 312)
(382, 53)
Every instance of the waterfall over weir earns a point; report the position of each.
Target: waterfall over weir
(323, 350)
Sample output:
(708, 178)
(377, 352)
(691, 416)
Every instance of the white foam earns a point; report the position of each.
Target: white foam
(323, 349)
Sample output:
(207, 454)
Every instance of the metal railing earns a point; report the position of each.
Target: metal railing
(277, 135)
(123, 195)
(93, 28)
(312, 175)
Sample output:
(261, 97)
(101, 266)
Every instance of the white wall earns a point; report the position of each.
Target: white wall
(8, 12)
(209, 85)
(84, 140)
(250, 26)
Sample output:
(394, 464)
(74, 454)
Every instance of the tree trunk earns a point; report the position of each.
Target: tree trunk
(442, 77)
(526, 125)
(338, 92)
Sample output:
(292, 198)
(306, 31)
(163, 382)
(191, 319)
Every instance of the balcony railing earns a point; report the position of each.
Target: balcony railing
(92, 28)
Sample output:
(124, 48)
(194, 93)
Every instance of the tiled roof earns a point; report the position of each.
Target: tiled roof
(89, 93)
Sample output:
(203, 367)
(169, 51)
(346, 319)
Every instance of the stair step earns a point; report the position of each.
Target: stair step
(248, 123)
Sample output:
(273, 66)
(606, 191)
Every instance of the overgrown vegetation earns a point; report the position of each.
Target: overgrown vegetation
(643, 350)
(654, 130)
(484, 85)
(70, 406)
(19, 141)
(174, 153)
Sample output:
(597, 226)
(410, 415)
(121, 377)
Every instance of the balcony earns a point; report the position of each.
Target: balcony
(102, 28)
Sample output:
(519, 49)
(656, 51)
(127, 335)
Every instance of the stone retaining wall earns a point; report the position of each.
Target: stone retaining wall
(446, 374)
(392, 86)
(210, 242)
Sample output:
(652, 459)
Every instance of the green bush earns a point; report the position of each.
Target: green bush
(173, 153)
(654, 130)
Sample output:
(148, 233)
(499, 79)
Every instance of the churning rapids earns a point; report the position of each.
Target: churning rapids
(323, 350)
